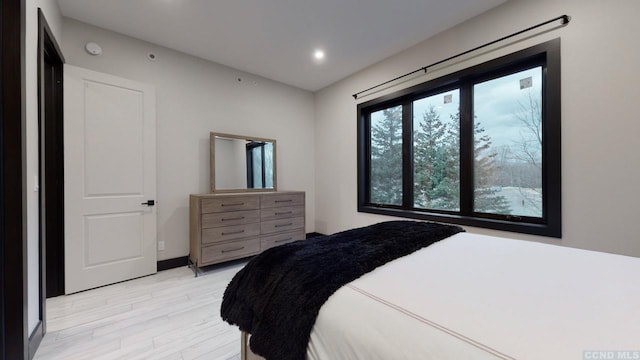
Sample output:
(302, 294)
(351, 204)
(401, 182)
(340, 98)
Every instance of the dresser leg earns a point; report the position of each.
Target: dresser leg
(192, 266)
(243, 345)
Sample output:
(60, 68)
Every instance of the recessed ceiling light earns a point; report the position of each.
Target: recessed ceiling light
(318, 54)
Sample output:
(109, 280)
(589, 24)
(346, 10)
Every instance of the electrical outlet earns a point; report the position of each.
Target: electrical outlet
(160, 245)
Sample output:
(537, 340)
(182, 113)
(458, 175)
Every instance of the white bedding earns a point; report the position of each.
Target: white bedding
(480, 297)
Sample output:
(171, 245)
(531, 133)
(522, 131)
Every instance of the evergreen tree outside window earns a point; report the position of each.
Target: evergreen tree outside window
(386, 156)
(436, 151)
(479, 147)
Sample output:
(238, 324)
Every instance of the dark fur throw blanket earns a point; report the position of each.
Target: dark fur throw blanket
(276, 297)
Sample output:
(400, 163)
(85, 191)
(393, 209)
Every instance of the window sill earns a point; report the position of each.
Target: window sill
(522, 227)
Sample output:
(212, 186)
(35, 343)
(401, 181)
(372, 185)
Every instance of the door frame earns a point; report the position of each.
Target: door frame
(13, 216)
(51, 165)
(50, 178)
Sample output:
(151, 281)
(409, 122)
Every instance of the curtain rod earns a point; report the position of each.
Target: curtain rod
(565, 20)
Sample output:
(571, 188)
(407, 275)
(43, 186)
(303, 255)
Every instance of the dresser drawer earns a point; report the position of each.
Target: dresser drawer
(234, 203)
(273, 226)
(279, 239)
(231, 218)
(281, 213)
(270, 201)
(231, 250)
(225, 233)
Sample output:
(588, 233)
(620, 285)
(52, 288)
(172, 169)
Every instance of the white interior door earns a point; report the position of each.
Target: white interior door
(110, 171)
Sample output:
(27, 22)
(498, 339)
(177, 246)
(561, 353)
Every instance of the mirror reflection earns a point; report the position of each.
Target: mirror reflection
(241, 163)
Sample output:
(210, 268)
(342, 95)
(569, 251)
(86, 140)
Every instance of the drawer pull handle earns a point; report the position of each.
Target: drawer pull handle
(283, 240)
(283, 225)
(281, 201)
(234, 204)
(284, 213)
(231, 219)
(232, 250)
(233, 232)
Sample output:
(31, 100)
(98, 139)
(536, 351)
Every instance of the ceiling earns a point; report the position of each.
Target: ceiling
(276, 38)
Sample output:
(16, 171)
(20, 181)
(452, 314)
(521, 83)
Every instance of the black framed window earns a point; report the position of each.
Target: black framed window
(478, 147)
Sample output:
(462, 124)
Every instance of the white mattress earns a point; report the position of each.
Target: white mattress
(480, 297)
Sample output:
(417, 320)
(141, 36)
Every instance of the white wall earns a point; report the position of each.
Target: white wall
(600, 127)
(195, 97)
(54, 19)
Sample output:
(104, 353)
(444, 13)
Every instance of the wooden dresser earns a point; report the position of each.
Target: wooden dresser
(231, 226)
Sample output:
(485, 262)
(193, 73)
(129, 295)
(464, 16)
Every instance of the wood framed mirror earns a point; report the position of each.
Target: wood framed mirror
(241, 163)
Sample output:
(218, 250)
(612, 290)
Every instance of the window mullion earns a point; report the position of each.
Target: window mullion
(466, 149)
(407, 155)
(364, 159)
(264, 173)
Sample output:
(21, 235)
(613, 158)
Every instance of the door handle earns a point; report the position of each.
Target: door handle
(149, 203)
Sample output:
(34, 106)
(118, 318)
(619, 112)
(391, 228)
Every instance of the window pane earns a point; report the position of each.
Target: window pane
(508, 144)
(436, 152)
(386, 156)
(268, 165)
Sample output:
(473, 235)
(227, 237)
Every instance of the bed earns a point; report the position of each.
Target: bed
(471, 296)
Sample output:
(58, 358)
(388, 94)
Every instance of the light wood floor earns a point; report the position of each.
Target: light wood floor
(167, 316)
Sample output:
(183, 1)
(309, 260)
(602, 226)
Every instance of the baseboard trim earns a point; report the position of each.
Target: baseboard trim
(314, 234)
(35, 339)
(172, 263)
